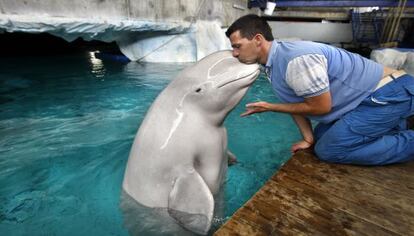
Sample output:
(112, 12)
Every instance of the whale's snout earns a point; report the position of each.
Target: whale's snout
(245, 75)
(251, 71)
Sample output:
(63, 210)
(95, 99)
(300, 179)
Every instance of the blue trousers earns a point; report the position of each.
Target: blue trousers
(375, 132)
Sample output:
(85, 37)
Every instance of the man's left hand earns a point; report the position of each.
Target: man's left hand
(256, 107)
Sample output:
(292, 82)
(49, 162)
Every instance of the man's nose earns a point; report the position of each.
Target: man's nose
(235, 53)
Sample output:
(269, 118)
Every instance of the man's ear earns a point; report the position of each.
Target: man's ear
(258, 39)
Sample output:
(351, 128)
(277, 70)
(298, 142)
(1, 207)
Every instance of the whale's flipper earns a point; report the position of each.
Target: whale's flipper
(231, 158)
(191, 203)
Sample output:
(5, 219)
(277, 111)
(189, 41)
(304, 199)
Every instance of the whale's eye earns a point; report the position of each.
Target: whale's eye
(198, 90)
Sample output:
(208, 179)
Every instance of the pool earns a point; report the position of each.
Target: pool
(67, 124)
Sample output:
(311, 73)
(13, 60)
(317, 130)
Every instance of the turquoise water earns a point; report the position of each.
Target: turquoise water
(67, 124)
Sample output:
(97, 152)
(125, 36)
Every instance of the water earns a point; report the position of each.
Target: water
(67, 124)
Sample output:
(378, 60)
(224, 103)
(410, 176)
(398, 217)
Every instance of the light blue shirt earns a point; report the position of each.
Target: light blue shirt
(304, 69)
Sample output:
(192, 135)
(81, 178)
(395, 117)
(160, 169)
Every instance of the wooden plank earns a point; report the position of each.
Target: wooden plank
(309, 197)
(233, 227)
(287, 222)
(326, 175)
(280, 222)
(328, 213)
(396, 178)
(369, 202)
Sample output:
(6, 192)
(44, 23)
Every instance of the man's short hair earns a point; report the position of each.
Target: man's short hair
(249, 26)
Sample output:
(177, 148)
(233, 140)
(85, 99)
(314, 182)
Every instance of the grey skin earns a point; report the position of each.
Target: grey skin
(179, 156)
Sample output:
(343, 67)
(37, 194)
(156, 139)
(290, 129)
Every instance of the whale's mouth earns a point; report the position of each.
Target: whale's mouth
(252, 75)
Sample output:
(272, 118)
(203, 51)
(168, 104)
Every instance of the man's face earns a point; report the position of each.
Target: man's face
(247, 51)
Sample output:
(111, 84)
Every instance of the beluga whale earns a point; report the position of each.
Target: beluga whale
(179, 157)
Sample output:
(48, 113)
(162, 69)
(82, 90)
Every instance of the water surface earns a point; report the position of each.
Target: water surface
(67, 124)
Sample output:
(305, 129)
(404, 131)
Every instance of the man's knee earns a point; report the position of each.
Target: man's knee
(336, 143)
(323, 153)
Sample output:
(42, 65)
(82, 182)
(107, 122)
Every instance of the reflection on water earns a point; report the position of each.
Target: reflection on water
(67, 124)
(98, 68)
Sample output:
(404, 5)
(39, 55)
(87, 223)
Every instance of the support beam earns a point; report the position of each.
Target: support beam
(340, 3)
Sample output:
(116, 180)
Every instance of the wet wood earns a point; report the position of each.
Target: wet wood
(310, 197)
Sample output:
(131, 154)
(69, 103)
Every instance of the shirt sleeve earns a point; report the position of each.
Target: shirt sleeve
(307, 75)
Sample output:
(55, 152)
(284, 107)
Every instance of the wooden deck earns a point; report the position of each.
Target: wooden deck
(309, 197)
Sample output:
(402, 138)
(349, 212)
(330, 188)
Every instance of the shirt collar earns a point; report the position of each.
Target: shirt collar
(272, 53)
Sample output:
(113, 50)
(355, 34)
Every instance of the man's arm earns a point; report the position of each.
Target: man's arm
(305, 128)
(317, 105)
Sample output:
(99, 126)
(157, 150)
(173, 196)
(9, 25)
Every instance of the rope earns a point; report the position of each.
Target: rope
(171, 39)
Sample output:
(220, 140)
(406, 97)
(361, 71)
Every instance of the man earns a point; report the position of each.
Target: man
(361, 106)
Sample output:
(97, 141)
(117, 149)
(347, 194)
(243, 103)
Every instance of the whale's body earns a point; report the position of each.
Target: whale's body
(179, 156)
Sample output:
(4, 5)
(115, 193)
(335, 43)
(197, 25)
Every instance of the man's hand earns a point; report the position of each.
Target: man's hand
(256, 107)
(317, 105)
(300, 146)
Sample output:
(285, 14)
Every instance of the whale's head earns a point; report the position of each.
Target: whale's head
(215, 84)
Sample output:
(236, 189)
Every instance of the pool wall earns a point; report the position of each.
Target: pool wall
(226, 11)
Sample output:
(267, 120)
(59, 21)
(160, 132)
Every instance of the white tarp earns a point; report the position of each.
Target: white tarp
(138, 40)
(394, 58)
(203, 38)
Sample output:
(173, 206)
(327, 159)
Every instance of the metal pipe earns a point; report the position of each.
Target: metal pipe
(340, 3)
(386, 26)
(394, 20)
(397, 25)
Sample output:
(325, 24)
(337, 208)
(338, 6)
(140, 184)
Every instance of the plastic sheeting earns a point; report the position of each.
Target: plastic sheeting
(88, 29)
(138, 40)
(203, 38)
(401, 59)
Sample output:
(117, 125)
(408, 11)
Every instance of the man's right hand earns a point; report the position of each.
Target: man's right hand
(300, 146)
